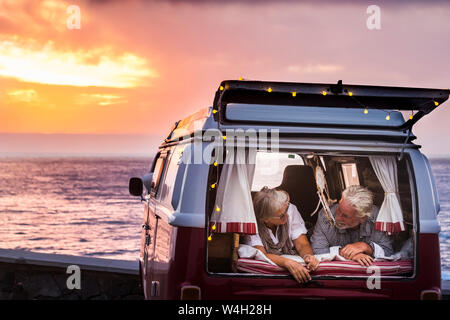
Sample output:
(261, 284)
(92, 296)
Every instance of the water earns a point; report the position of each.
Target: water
(82, 206)
(441, 172)
(71, 206)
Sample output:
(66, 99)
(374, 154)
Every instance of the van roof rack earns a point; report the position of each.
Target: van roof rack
(339, 95)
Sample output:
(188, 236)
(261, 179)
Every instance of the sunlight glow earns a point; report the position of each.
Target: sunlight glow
(98, 67)
(27, 95)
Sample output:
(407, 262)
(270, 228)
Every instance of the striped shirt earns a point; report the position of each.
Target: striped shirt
(327, 238)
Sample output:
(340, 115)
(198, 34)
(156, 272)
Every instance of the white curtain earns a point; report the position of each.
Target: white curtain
(390, 217)
(233, 209)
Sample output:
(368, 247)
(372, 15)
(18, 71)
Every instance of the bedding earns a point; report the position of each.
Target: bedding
(251, 260)
(329, 268)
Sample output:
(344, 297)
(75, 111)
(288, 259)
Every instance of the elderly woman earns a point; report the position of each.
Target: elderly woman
(282, 231)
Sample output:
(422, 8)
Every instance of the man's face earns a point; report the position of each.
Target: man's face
(346, 217)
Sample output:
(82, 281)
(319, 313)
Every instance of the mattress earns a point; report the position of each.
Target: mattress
(330, 268)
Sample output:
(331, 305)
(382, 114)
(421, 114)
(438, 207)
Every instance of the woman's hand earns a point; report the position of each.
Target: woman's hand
(363, 259)
(311, 262)
(298, 271)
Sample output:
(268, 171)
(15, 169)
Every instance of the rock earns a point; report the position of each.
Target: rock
(89, 287)
(41, 285)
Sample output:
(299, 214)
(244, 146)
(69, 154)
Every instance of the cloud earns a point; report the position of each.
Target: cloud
(24, 95)
(314, 68)
(266, 2)
(101, 99)
(32, 62)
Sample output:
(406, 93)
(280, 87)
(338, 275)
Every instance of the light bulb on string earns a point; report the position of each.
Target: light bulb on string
(366, 111)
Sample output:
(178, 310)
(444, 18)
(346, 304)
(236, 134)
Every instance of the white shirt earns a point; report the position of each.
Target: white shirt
(296, 229)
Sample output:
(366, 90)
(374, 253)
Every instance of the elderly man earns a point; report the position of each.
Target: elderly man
(353, 234)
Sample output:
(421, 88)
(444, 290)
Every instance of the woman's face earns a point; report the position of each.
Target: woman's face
(279, 217)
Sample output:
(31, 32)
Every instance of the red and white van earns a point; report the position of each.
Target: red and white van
(312, 140)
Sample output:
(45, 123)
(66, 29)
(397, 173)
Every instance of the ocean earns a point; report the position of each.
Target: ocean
(81, 206)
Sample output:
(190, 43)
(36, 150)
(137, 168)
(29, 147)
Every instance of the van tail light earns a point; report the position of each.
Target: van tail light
(191, 293)
(431, 294)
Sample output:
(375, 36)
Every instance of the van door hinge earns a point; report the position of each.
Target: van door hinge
(404, 145)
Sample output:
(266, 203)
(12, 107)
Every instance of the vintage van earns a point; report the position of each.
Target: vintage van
(312, 140)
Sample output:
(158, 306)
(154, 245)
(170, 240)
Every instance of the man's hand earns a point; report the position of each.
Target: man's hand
(300, 273)
(363, 259)
(351, 250)
(311, 262)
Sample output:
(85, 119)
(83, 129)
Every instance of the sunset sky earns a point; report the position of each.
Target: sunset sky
(119, 82)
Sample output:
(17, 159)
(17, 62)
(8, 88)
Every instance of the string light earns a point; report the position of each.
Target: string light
(324, 93)
(224, 137)
(209, 238)
(436, 103)
(294, 94)
(215, 164)
(388, 117)
(221, 88)
(366, 111)
(240, 78)
(213, 227)
(217, 208)
(214, 111)
(350, 93)
(411, 115)
(269, 90)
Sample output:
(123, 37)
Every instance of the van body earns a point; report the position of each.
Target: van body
(339, 125)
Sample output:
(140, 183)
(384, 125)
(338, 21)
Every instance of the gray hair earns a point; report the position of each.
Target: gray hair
(268, 201)
(359, 198)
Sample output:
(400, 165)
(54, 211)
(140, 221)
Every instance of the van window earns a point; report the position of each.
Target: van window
(350, 174)
(300, 177)
(173, 175)
(157, 172)
(270, 167)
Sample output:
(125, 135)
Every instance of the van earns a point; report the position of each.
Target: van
(311, 140)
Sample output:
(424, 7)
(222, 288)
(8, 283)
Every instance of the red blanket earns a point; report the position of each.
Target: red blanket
(330, 268)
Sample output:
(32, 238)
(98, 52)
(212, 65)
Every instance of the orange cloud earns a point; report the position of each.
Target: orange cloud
(25, 95)
(27, 62)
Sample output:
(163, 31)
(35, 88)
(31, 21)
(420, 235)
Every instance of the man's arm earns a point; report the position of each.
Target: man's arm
(381, 244)
(319, 241)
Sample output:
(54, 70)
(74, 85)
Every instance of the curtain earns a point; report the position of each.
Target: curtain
(390, 217)
(233, 209)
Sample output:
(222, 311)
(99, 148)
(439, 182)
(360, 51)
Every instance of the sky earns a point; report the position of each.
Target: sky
(133, 68)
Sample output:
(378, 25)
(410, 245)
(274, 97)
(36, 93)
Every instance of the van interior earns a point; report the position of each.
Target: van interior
(295, 173)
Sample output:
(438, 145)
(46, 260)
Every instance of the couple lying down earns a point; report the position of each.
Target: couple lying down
(282, 231)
